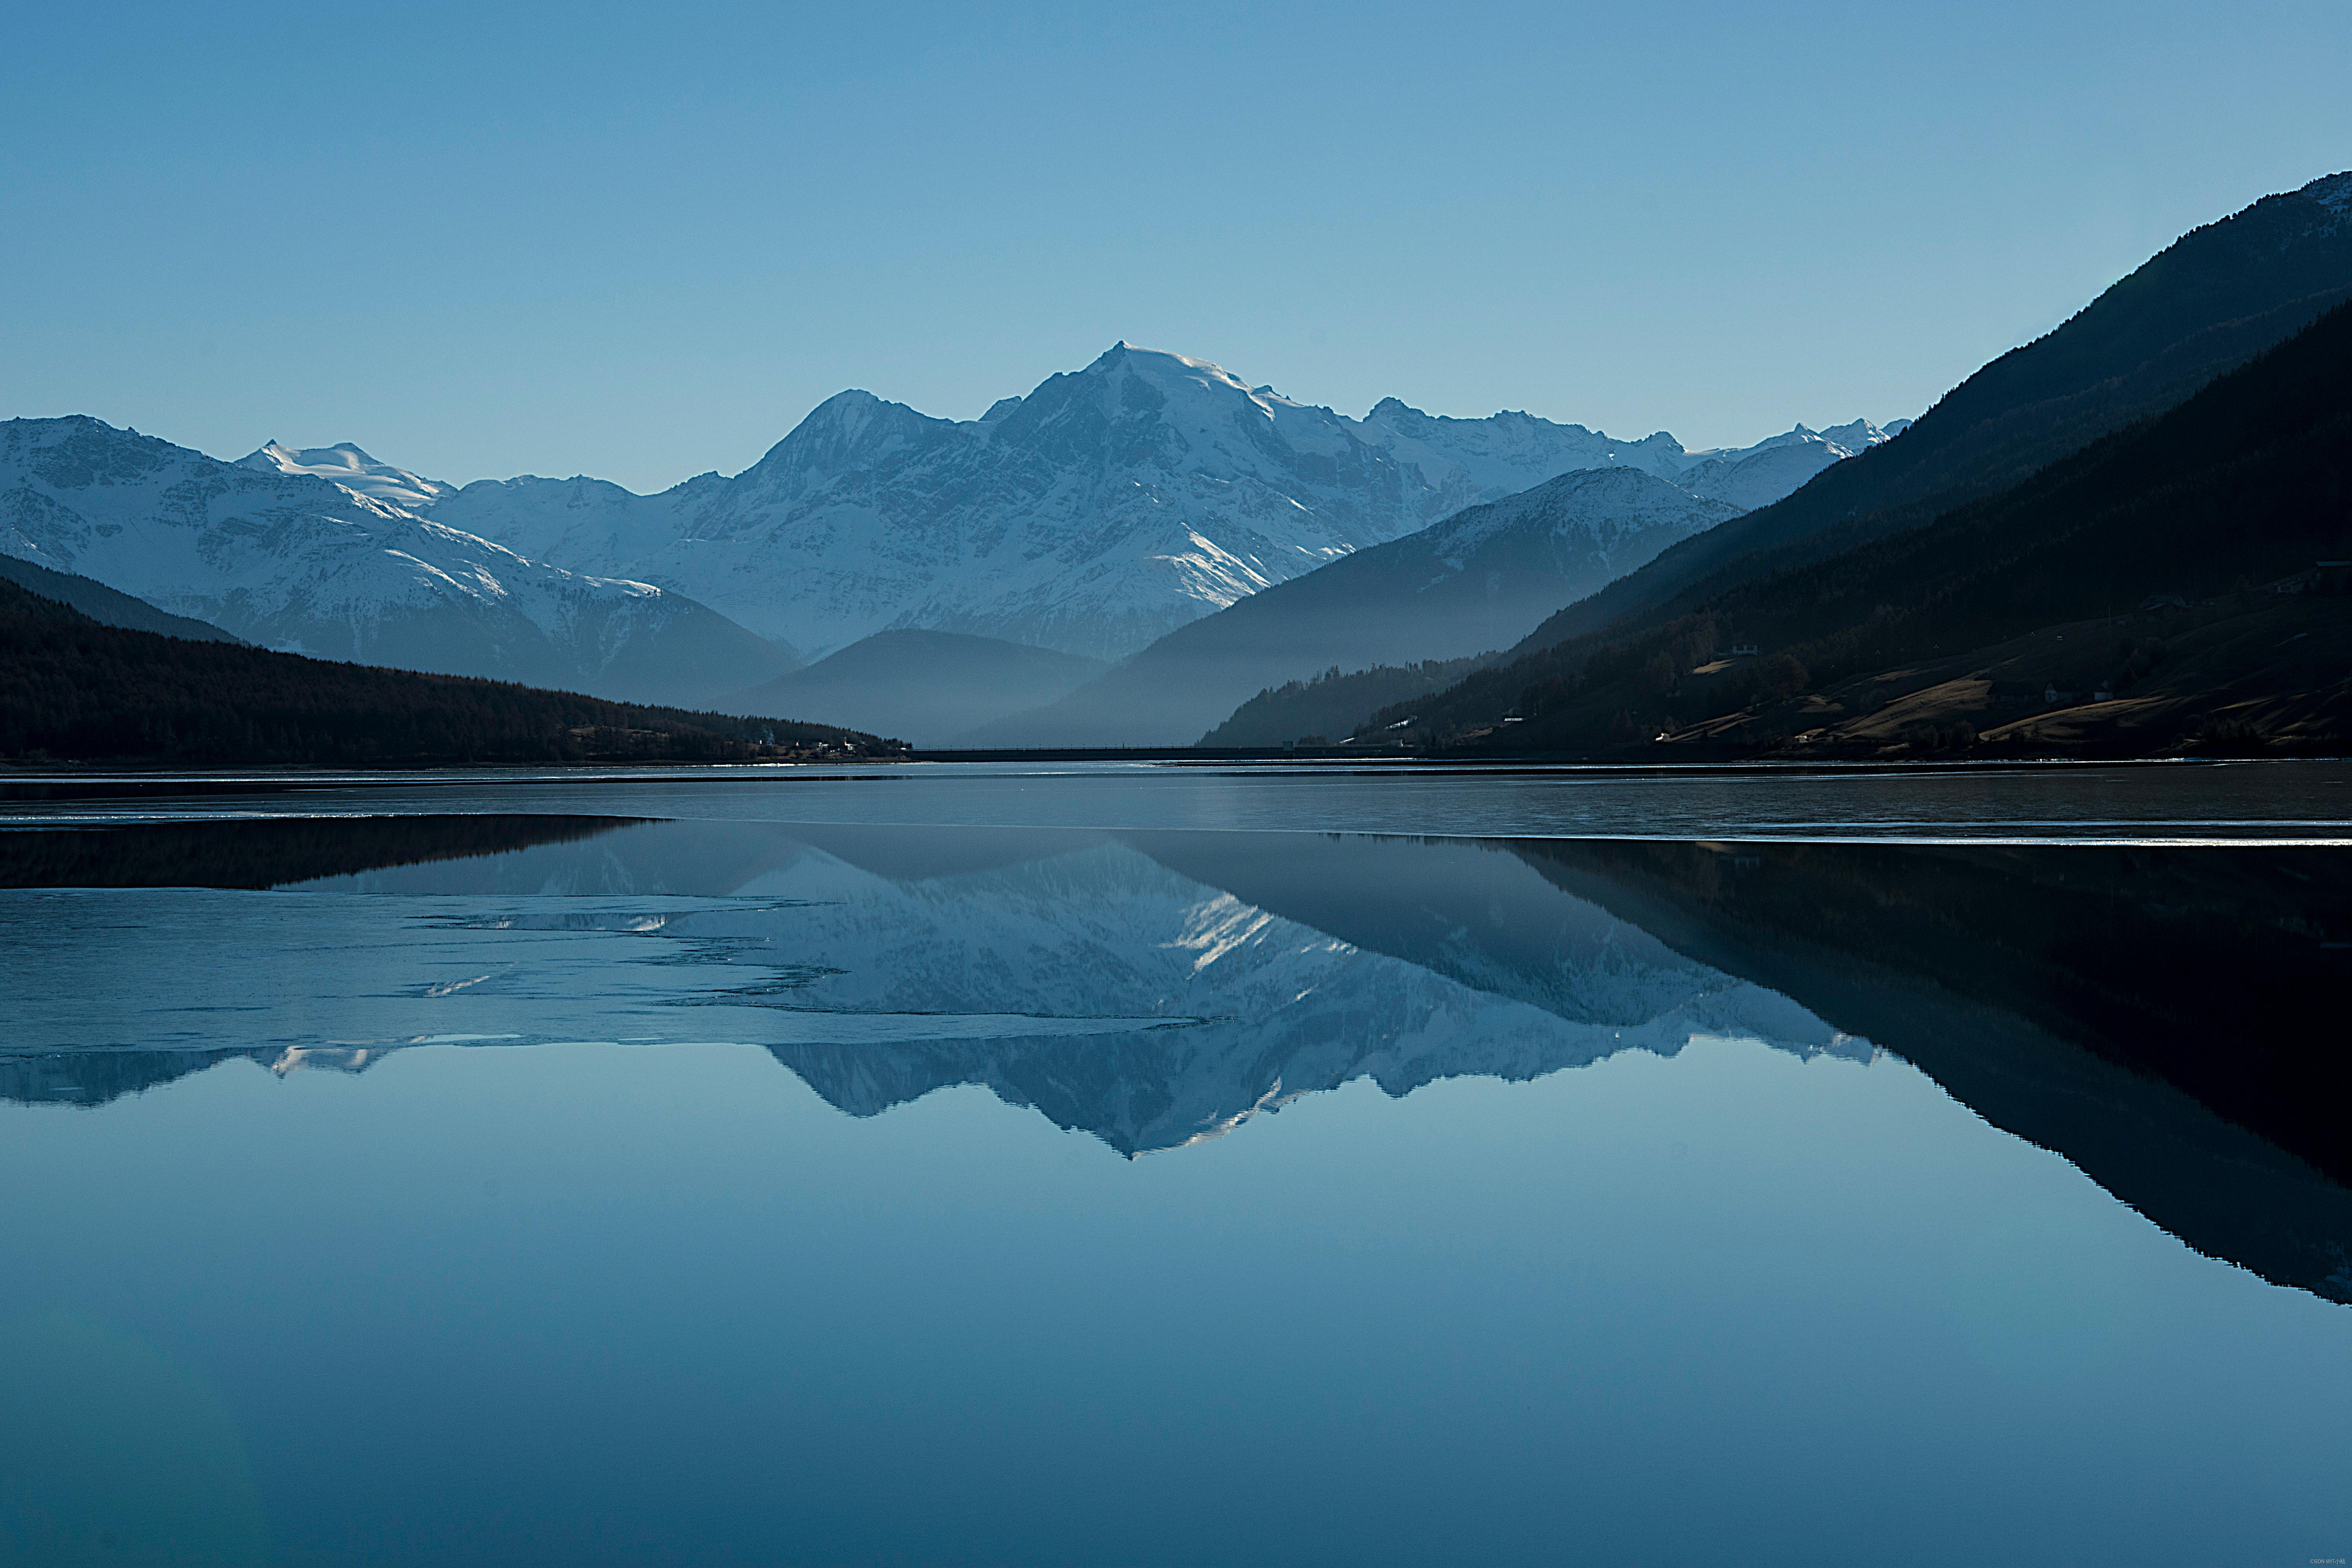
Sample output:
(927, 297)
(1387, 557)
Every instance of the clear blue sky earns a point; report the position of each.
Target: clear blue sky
(642, 241)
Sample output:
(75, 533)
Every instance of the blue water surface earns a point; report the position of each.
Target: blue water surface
(1132, 1167)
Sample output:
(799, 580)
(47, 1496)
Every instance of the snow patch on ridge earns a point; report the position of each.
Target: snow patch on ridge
(2333, 192)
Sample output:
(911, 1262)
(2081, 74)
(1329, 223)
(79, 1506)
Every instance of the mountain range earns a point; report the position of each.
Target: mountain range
(107, 606)
(1105, 509)
(353, 470)
(1214, 541)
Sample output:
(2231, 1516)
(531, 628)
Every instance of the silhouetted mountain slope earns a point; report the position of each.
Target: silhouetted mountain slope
(106, 605)
(2063, 994)
(2247, 483)
(70, 688)
(922, 687)
(1470, 583)
(2209, 301)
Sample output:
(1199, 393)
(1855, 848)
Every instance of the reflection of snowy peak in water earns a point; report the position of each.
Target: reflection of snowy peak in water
(1261, 1008)
(1149, 988)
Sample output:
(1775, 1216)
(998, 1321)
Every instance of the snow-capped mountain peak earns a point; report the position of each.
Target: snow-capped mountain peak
(1854, 437)
(848, 434)
(346, 465)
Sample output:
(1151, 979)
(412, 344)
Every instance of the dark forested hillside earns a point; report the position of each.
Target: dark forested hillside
(1329, 707)
(71, 689)
(2175, 566)
(2211, 300)
(106, 605)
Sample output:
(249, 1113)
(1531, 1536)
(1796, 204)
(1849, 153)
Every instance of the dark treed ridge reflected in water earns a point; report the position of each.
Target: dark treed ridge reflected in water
(2007, 1175)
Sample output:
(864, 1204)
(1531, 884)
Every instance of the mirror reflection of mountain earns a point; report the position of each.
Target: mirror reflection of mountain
(1157, 988)
(2168, 1020)
(1284, 1006)
(268, 852)
(96, 1077)
(1067, 969)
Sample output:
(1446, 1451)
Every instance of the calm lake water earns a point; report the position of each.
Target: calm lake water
(1142, 1165)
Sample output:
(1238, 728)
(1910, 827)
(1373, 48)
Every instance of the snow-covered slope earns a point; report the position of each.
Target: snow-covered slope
(295, 561)
(1481, 579)
(1495, 454)
(1109, 506)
